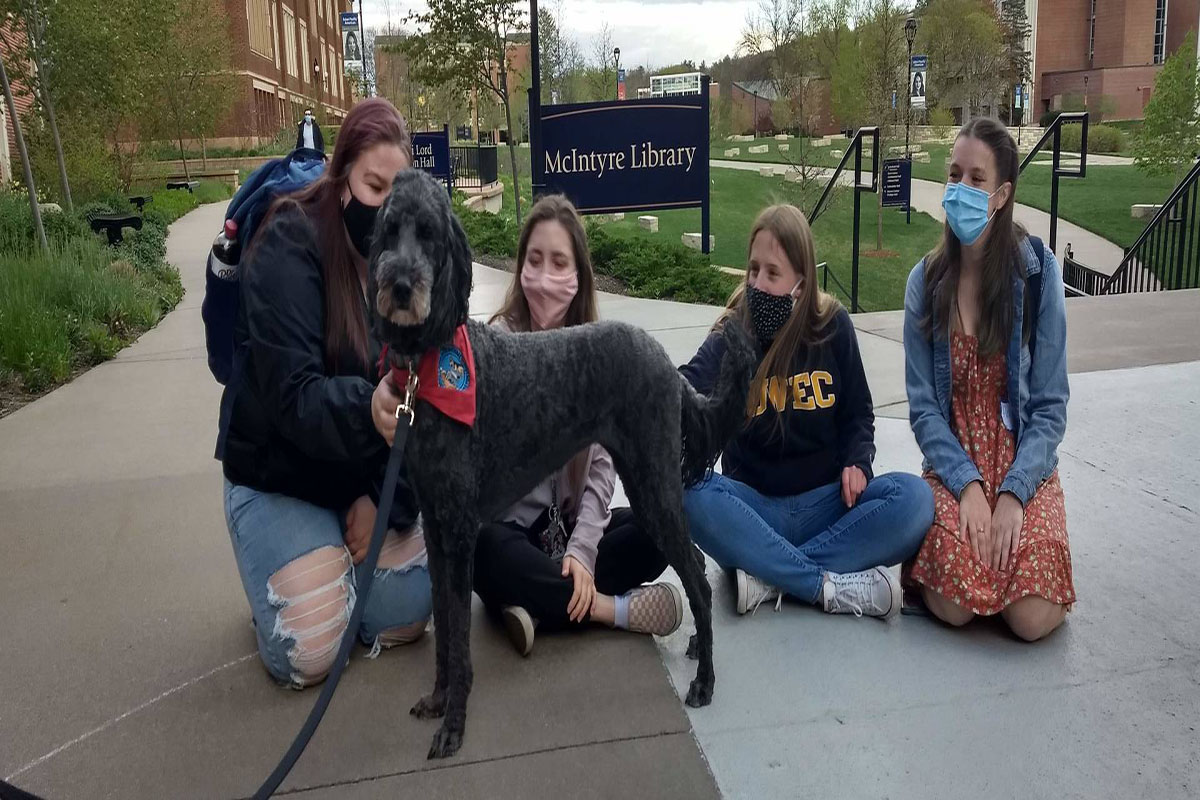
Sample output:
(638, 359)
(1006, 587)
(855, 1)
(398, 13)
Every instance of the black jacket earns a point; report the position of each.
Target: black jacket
(289, 425)
(318, 140)
(827, 415)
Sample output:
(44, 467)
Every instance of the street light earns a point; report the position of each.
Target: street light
(617, 56)
(910, 33)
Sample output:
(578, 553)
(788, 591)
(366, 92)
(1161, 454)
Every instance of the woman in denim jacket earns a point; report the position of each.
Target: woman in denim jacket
(986, 373)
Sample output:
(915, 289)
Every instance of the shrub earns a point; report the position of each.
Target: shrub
(1047, 118)
(1101, 138)
(490, 234)
(941, 120)
(658, 269)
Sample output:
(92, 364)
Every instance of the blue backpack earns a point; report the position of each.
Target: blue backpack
(222, 283)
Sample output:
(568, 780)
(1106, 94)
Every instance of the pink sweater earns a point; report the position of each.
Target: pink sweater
(590, 511)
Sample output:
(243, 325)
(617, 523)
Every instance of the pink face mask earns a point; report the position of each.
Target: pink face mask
(549, 295)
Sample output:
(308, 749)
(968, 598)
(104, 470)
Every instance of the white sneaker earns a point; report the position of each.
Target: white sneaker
(520, 626)
(872, 593)
(752, 593)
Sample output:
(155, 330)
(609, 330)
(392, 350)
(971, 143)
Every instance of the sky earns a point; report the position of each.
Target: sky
(654, 33)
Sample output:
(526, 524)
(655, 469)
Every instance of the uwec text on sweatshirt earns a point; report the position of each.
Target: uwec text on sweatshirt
(824, 405)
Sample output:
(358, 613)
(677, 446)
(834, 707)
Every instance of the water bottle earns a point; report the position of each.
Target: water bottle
(226, 253)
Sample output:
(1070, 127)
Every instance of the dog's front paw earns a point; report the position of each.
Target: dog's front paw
(431, 706)
(445, 742)
(693, 650)
(699, 693)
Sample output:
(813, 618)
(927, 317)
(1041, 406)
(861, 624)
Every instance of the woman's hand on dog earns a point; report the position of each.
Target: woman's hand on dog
(580, 607)
(360, 520)
(383, 408)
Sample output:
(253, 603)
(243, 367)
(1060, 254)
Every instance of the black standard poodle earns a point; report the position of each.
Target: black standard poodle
(539, 399)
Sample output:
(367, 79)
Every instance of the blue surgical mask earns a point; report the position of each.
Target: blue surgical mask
(966, 211)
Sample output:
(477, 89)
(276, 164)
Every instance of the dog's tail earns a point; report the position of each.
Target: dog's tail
(708, 423)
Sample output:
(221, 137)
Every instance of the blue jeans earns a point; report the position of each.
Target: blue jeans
(791, 542)
(300, 582)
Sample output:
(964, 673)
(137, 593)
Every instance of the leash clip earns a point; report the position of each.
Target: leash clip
(408, 407)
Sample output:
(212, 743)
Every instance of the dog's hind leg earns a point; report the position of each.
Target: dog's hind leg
(433, 704)
(459, 529)
(659, 502)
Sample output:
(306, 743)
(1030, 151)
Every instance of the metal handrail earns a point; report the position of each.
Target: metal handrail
(1055, 132)
(853, 149)
(1121, 275)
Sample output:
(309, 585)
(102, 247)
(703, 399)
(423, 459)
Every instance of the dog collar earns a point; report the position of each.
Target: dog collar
(447, 377)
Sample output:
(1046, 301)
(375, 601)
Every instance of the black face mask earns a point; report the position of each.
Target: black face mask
(768, 312)
(360, 223)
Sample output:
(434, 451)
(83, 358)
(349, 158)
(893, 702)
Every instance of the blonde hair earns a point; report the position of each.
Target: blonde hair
(813, 309)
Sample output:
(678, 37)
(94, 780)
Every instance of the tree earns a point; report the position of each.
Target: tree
(848, 83)
(883, 50)
(29, 185)
(1015, 32)
(466, 43)
(967, 60)
(34, 23)
(602, 77)
(190, 76)
(1169, 138)
(104, 51)
(774, 31)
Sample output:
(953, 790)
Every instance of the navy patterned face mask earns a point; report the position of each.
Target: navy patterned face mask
(768, 312)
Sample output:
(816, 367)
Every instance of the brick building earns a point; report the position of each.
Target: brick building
(757, 98)
(287, 55)
(1106, 48)
(12, 47)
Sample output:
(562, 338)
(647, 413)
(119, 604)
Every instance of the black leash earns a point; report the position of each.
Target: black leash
(404, 417)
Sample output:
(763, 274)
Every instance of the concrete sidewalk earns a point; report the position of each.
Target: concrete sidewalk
(129, 667)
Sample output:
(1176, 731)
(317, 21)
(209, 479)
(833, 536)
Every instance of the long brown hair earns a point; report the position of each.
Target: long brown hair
(1001, 259)
(812, 311)
(515, 310)
(369, 123)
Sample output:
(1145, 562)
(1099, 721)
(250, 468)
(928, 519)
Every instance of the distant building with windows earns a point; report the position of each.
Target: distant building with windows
(287, 55)
(1108, 48)
(674, 85)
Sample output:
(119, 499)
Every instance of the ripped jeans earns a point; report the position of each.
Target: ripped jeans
(301, 584)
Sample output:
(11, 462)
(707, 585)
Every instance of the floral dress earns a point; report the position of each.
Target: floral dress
(945, 563)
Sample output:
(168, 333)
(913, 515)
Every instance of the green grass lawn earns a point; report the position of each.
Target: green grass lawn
(738, 196)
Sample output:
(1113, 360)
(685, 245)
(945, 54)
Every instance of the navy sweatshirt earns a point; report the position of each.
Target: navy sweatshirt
(827, 415)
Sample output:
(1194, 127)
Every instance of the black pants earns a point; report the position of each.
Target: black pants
(512, 569)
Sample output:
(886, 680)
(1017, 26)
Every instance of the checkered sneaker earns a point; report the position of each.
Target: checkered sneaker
(656, 609)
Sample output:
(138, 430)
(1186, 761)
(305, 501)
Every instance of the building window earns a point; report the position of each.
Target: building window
(289, 42)
(1092, 35)
(262, 28)
(1160, 31)
(306, 65)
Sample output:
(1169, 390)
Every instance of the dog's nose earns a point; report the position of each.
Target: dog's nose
(401, 294)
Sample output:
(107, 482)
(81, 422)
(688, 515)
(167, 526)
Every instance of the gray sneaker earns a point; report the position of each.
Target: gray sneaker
(871, 593)
(519, 625)
(752, 593)
(656, 609)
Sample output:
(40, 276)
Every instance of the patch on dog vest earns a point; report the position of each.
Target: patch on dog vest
(447, 377)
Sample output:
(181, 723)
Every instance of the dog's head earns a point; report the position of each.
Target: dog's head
(419, 276)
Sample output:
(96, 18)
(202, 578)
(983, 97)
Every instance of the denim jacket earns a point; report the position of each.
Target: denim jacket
(1039, 382)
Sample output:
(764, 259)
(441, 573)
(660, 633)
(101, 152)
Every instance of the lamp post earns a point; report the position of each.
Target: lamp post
(910, 33)
(617, 57)
(756, 115)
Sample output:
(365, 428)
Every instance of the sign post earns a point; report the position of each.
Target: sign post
(431, 153)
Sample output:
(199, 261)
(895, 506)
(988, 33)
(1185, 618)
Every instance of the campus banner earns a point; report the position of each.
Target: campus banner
(918, 73)
(626, 155)
(352, 44)
(620, 84)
